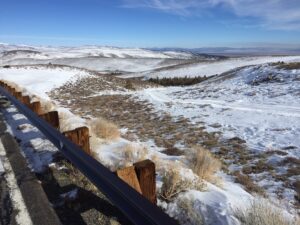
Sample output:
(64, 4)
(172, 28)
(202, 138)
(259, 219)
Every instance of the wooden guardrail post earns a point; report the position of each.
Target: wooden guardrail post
(141, 177)
(145, 171)
(52, 118)
(84, 139)
(19, 95)
(129, 176)
(36, 107)
(26, 100)
(80, 136)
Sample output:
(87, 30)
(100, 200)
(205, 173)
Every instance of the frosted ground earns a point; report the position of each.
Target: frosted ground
(242, 103)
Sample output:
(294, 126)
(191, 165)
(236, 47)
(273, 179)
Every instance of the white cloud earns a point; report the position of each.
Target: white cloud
(274, 14)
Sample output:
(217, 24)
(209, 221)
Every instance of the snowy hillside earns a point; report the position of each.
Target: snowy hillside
(259, 105)
(15, 52)
(217, 67)
(102, 59)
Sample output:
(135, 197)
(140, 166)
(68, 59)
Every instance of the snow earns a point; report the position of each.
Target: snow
(213, 68)
(217, 205)
(1, 167)
(22, 216)
(39, 81)
(245, 104)
(267, 115)
(92, 51)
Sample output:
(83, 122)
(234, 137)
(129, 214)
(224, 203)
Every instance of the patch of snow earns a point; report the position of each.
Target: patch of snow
(39, 81)
(22, 216)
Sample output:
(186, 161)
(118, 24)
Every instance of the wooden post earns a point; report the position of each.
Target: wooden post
(84, 139)
(72, 135)
(36, 107)
(128, 175)
(19, 95)
(145, 171)
(26, 100)
(80, 136)
(52, 118)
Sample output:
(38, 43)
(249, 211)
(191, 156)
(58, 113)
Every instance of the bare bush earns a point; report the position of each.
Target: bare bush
(175, 183)
(187, 214)
(203, 163)
(68, 121)
(133, 153)
(105, 129)
(47, 106)
(262, 212)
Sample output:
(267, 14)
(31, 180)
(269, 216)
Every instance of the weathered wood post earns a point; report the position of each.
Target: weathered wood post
(145, 171)
(128, 175)
(52, 118)
(36, 107)
(84, 139)
(18, 95)
(26, 100)
(141, 177)
(80, 136)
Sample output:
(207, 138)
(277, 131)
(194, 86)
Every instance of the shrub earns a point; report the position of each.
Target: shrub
(47, 106)
(248, 183)
(6, 66)
(129, 85)
(105, 129)
(263, 212)
(178, 81)
(175, 183)
(134, 153)
(203, 163)
(187, 213)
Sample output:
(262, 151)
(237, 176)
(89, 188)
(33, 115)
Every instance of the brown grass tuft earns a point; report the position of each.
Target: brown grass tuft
(134, 153)
(263, 212)
(203, 163)
(105, 129)
(248, 183)
(175, 183)
(187, 212)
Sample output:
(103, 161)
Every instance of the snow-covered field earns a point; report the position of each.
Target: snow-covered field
(218, 67)
(42, 80)
(265, 114)
(247, 103)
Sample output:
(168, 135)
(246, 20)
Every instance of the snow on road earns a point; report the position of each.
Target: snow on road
(213, 68)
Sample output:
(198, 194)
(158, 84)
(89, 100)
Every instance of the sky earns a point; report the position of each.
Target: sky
(152, 23)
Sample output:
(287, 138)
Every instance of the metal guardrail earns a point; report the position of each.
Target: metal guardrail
(134, 206)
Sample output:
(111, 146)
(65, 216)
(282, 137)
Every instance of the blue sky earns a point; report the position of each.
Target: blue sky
(151, 23)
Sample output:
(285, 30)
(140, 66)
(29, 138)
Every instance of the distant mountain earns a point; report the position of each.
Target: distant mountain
(21, 51)
(227, 51)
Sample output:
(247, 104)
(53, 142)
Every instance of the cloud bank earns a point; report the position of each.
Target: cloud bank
(272, 14)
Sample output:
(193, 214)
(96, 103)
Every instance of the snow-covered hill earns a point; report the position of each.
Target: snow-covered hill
(257, 104)
(16, 52)
(102, 59)
(215, 67)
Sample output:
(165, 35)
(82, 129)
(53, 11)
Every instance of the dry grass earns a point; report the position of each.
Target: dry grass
(175, 183)
(187, 213)
(203, 163)
(248, 183)
(134, 153)
(105, 129)
(263, 212)
(47, 106)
